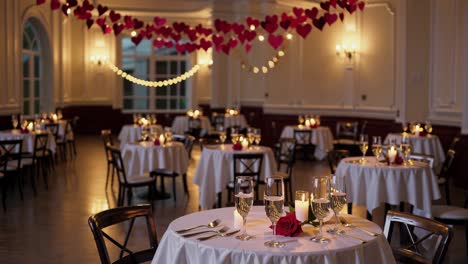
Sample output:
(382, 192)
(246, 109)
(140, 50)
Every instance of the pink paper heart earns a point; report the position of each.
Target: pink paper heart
(233, 43)
(87, 6)
(137, 23)
(226, 48)
(303, 30)
(250, 35)
(128, 22)
(275, 41)
(285, 24)
(106, 29)
(175, 37)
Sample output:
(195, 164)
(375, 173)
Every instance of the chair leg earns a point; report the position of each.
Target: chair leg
(4, 187)
(19, 178)
(32, 176)
(107, 174)
(447, 194)
(44, 176)
(174, 188)
(220, 196)
(129, 196)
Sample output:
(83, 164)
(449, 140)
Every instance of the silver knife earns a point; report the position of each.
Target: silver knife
(218, 235)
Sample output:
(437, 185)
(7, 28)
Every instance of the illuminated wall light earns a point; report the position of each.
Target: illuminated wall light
(261, 38)
(281, 53)
(271, 64)
(289, 36)
(346, 51)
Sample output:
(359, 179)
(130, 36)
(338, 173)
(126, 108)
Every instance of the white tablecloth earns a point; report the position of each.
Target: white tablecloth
(132, 133)
(373, 183)
(173, 248)
(235, 120)
(28, 139)
(143, 157)
(215, 170)
(428, 145)
(321, 137)
(180, 125)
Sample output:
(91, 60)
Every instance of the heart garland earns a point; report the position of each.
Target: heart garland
(223, 37)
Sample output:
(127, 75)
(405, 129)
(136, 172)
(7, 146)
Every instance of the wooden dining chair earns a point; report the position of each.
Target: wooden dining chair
(194, 127)
(120, 216)
(128, 182)
(411, 248)
(334, 157)
(285, 160)
(443, 179)
(106, 136)
(245, 164)
(303, 139)
(38, 161)
(60, 143)
(346, 132)
(10, 166)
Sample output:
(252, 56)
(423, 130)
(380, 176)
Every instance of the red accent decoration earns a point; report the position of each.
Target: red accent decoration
(89, 23)
(304, 30)
(319, 23)
(40, 2)
(102, 9)
(312, 13)
(298, 11)
(205, 44)
(55, 4)
(114, 16)
(288, 225)
(156, 142)
(87, 6)
(158, 43)
(159, 22)
(72, 3)
(361, 5)
(252, 22)
(24, 131)
(248, 47)
(118, 28)
(330, 18)
(237, 146)
(341, 15)
(325, 6)
(137, 39)
(275, 41)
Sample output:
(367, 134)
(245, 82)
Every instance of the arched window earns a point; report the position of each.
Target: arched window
(32, 64)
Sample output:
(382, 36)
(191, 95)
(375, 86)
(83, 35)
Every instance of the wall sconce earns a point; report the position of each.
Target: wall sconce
(98, 59)
(346, 51)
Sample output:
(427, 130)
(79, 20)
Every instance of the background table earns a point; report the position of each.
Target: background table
(143, 157)
(428, 145)
(373, 183)
(321, 137)
(132, 133)
(180, 125)
(62, 128)
(235, 120)
(173, 248)
(28, 139)
(215, 169)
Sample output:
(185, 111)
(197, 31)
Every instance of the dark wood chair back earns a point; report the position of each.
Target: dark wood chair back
(347, 130)
(10, 155)
(117, 161)
(194, 127)
(447, 165)
(334, 157)
(120, 215)
(286, 154)
(302, 136)
(248, 165)
(413, 251)
(217, 121)
(41, 141)
(53, 129)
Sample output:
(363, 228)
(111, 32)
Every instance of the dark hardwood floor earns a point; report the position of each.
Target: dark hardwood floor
(52, 227)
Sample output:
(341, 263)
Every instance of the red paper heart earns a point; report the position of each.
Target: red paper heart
(269, 26)
(102, 9)
(226, 28)
(114, 16)
(65, 9)
(330, 18)
(250, 35)
(168, 44)
(248, 47)
(158, 43)
(159, 22)
(101, 21)
(191, 33)
(217, 40)
(275, 41)
(241, 38)
(298, 11)
(303, 30)
(165, 31)
(128, 22)
(311, 13)
(319, 23)
(301, 19)
(333, 3)
(207, 31)
(361, 5)
(137, 39)
(81, 13)
(87, 6)
(341, 15)
(351, 8)
(190, 47)
(54, 4)
(40, 2)
(180, 48)
(179, 27)
(118, 28)
(175, 37)
(325, 6)
(137, 23)
(106, 29)
(226, 48)
(205, 44)
(285, 24)
(233, 43)
(238, 28)
(89, 23)
(341, 3)
(252, 22)
(72, 3)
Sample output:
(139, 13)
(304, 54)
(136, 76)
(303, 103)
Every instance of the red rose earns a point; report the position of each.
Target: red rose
(24, 131)
(237, 146)
(314, 126)
(156, 142)
(422, 134)
(398, 160)
(288, 225)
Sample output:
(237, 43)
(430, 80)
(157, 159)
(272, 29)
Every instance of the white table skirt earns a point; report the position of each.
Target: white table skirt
(143, 157)
(180, 125)
(132, 133)
(321, 137)
(173, 248)
(428, 145)
(235, 120)
(28, 139)
(373, 183)
(215, 170)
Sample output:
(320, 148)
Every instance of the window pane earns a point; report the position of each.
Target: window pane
(37, 66)
(173, 103)
(161, 91)
(25, 88)
(36, 107)
(173, 67)
(25, 65)
(161, 104)
(144, 48)
(128, 65)
(136, 104)
(183, 88)
(141, 67)
(128, 104)
(139, 90)
(127, 46)
(26, 42)
(35, 45)
(173, 90)
(128, 87)
(183, 103)
(26, 107)
(161, 67)
(37, 88)
(183, 66)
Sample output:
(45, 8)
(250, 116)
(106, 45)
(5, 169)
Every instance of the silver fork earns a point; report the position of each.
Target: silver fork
(211, 224)
(225, 234)
(342, 233)
(219, 231)
(345, 223)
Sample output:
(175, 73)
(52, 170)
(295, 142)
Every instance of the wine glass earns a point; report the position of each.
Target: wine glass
(405, 148)
(168, 134)
(376, 146)
(222, 136)
(135, 119)
(321, 204)
(59, 114)
(404, 126)
(14, 121)
(338, 198)
(428, 127)
(258, 136)
(250, 136)
(144, 134)
(363, 145)
(274, 203)
(234, 135)
(301, 119)
(244, 195)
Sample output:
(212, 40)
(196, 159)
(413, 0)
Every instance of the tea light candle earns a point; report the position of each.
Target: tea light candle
(161, 139)
(301, 205)
(312, 122)
(30, 126)
(307, 123)
(392, 152)
(238, 221)
(231, 112)
(54, 117)
(417, 129)
(245, 143)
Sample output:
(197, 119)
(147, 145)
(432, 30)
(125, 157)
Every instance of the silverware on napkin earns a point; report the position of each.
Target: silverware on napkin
(211, 224)
(347, 224)
(219, 231)
(225, 234)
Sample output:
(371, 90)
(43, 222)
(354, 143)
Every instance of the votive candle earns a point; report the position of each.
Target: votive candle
(301, 205)
(392, 152)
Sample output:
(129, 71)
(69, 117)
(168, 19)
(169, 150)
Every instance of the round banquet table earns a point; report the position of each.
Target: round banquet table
(132, 133)
(28, 139)
(174, 248)
(215, 169)
(321, 137)
(373, 183)
(142, 157)
(235, 120)
(427, 145)
(180, 125)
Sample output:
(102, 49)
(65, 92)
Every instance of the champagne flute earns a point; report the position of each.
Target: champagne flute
(405, 148)
(258, 136)
(14, 121)
(428, 127)
(338, 198)
(321, 204)
(363, 145)
(376, 146)
(404, 126)
(301, 119)
(234, 135)
(244, 193)
(274, 204)
(250, 136)
(222, 137)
